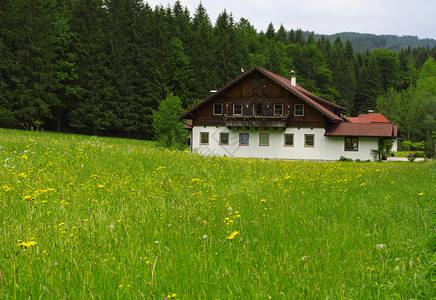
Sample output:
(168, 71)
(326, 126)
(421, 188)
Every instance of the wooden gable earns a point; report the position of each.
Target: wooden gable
(258, 94)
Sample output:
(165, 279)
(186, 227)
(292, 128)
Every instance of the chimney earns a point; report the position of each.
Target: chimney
(370, 111)
(293, 79)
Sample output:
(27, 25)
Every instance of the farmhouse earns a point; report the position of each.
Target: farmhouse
(260, 114)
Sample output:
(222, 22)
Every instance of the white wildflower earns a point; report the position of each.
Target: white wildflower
(380, 246)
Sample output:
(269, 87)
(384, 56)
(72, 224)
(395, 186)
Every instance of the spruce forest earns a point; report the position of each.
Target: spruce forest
(103, 67)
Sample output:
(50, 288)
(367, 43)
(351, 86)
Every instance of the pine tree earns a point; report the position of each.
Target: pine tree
(228, 50)
(181, 78)
(150, 81)
(32, 87)
(7, 118)
(282, 35)
(91, 112)
(201, 54)
(369, 85)
(270, 32)
(65, 65)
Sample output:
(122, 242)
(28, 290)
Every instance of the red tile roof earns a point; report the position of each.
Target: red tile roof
(325, 107)
(369, 118)
(386, 130)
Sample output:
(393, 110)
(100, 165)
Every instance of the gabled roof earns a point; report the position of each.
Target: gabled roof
(383, 130)
(369, 118)
(325, 107)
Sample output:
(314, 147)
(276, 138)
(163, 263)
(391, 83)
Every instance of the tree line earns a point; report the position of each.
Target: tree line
(367, 42)
(104, 66)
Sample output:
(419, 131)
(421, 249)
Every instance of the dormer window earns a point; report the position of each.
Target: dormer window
(218, 109)
(237, 109)
(278, 109)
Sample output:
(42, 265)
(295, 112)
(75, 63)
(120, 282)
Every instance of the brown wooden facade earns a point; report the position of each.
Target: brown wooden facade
(258, 94)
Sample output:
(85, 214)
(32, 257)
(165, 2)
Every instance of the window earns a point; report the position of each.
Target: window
(263, 83)
(299, 110)
(289, 140)
(237, 109)
(243, 139)
(309, 140)
(218, 109)
(278, 109)
(263, 139)
(351, 144)
(254, 83)
(204, 138)
(224, 138)
(257, 109)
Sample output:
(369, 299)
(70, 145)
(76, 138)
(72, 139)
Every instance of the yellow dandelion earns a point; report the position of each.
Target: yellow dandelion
(233, 235)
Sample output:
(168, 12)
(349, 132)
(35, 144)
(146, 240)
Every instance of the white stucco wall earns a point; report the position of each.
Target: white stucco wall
(335, 148)
(326, 148)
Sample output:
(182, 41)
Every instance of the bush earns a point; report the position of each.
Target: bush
(342, 158)
(168, 129)
(430, 148)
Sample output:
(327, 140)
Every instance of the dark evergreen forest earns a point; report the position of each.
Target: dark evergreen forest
(103, 67)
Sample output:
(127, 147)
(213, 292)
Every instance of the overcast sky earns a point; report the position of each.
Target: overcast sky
(398, 17)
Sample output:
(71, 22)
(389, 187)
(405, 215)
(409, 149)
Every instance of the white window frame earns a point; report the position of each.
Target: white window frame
(282, 109)
(295, 110)
(242, 108)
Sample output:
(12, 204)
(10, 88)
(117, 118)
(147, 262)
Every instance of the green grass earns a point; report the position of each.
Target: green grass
(405, 153)
(125, 220)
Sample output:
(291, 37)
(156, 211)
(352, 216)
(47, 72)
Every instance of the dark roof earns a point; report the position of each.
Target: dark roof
(325, 107)
(386, 130)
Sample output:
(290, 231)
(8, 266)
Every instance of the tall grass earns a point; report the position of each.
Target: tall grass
(84, 217)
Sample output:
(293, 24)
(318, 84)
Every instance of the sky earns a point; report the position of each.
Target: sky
(397, 17)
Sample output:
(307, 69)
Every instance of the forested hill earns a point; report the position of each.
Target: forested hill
(365, 41)
(104, 66)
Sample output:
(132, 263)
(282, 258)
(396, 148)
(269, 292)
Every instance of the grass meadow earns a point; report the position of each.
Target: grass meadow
(96, 218)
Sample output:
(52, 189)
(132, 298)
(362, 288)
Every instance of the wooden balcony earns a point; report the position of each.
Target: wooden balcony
(256, 121)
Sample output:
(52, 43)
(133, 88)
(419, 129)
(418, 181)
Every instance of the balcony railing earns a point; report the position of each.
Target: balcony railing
(256, 121)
